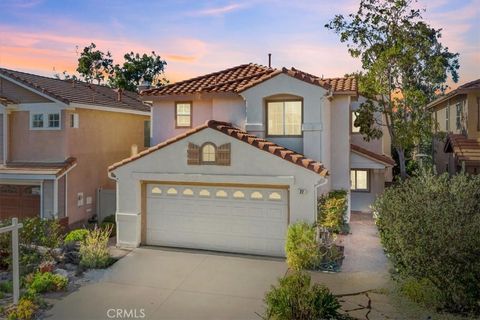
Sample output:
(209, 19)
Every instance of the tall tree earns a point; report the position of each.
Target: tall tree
(94, 65)
(404, 65)
(136, 69)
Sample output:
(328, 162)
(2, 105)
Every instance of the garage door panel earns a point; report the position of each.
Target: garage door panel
(224, 218)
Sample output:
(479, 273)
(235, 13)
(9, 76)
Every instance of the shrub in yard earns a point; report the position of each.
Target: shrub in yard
(422, 291)
(94, 250)
(25, 310)
(331, 210)
(47, 281)
(295, 298)
(6, 286)
(301, 246)
(76, 236)
(46, 266)
(429, 226)
(109, 221)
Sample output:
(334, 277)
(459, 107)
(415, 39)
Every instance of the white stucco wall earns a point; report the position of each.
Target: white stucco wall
(249, 165)
(362, 201)
(314, 101)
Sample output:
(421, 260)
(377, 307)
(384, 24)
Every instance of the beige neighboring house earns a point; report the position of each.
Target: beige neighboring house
(458, 115)
(240, 154)
(57, 138)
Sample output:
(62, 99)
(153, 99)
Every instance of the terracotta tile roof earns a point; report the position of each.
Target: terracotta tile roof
(464, 149)
(236, 133)
(6, 100)
(41, 168)
(242, 77)
(465, 88)
(372, 155)
(68, 91)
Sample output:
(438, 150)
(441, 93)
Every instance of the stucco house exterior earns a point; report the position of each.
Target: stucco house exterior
(57, 139)
(457, 115)
(240, 154)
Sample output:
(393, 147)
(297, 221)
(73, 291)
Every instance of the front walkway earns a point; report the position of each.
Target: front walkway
(183, 284)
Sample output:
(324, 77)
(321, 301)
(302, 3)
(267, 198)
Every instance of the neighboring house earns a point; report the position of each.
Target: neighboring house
(57, 138)
(277, 141)
(457, 115)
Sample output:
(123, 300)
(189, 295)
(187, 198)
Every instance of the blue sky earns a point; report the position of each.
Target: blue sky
(197, 37)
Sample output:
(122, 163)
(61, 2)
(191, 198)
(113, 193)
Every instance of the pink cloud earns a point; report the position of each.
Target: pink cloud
(217, 11)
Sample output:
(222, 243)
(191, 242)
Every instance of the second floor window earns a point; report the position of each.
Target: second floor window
(459, 114)
(54, 120)
(37, 121)
(183, 114)
(208, 153)
(355, 129)
(284, 118)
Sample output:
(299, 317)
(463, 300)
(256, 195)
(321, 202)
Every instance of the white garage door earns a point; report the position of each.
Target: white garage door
(244, 220)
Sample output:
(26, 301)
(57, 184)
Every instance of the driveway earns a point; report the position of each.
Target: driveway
(171, 284)
(162, 283)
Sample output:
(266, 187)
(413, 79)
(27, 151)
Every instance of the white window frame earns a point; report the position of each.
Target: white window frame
(284, 116)
(458, 115)
(45, 120)
(354, 188)
(447, 118)
(74, 120)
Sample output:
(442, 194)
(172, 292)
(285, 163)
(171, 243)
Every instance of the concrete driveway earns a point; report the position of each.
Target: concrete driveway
(156, 283)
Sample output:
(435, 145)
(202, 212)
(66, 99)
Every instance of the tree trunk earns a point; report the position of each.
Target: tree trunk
(401, 163)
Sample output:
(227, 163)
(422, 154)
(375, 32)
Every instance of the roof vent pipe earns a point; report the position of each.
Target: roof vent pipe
(269, 60)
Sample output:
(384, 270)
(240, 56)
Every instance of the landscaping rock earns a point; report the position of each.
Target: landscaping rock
(62, 272)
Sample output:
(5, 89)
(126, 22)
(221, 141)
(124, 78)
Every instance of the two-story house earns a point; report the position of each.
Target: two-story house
(57, 139)
(458, 115)
(240, 154)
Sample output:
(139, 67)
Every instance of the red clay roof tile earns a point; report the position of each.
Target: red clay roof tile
(243, 77)
(236, 133)
(464, 149)
(374, 156)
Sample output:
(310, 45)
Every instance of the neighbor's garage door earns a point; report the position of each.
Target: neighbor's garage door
(19, 201)
(232, 219)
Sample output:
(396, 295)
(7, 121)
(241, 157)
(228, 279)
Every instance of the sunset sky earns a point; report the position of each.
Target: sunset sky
(196, 37)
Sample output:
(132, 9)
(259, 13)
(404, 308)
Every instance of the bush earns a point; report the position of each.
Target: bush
(332, 209)
(301, 246)
(35, 232)
(94, 250)
(109, 221)
(6, 286)
(422, 291)
(296, 298)
(46, 266)
(76, 235)
(429, 225)
(47, 281)
(25, 310)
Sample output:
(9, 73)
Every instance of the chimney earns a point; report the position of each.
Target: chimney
(144, 85)
(269, 60)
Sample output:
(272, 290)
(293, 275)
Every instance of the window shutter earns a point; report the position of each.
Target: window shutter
(223, 155)
(193, 154)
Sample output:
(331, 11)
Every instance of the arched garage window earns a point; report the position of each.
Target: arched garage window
(209, 153)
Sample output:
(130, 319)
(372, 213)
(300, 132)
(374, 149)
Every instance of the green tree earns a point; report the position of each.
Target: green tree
(94, 65)
(137, 69)
(404, 65)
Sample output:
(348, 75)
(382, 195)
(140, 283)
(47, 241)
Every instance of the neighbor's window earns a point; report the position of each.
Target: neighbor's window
(37, 121)
(208, 153)
(54, 120)
(359, 180)
(458, 117)
(355, 129)
(183, 114)
(447, 118)
(146, 133)
(284, 118)
(478, 114)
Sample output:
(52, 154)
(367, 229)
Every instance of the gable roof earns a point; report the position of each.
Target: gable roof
(69, 91)
(464, 149)
(245, 76)
(465, 88)
(228, 129)
(384, 159)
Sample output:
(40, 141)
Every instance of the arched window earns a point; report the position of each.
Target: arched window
(209, 153)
